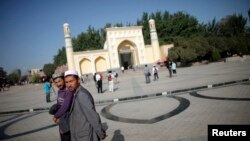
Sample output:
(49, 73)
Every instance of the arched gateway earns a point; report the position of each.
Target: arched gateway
(124, 46)
(128, 54)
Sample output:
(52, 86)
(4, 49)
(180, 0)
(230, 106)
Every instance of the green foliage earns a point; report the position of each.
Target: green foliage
(145, 30)
(49, 69)
(14, 77)
(24, 78)
(36, 78)
(212, 28)
(171, 26)
(249, 14)
(220, 43)
(187, 55)
(60, 59)
(242, 45)
(184, 55)
(201, 46)
(215, 55)
(232, 25)
(173, 53)
(3, 73)
(91, 40)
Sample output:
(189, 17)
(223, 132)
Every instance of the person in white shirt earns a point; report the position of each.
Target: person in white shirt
(122, 68)
(110, 81)
(155, 72)
(173, 67)
(99, 82)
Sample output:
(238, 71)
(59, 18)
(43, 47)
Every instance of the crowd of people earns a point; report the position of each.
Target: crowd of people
(171, 66)
(111, 77)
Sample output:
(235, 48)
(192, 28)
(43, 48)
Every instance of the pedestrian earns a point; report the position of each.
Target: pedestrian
(122, 68)
(47, 87)
(133, 67)
(85, 123)
(110, 81)
(116, 76)
(94, 78)
(99, 82)
(174, 68)
(64, 100)
(147, 74)
(82, 79)
(169, 66)
(155, 72)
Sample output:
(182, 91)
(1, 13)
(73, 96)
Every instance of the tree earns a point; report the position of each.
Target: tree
(212, 28)
(145, 30)
(182, 54)
(242, 47)
(49, 69)
(60, 59)
(36, 78)
(173, 53)
(201, 47)
(233, 25)
(14, 77)
(215, 55)
(170, 26)
(90, 40)
(3, 73)
(24, 78)
(249, 14)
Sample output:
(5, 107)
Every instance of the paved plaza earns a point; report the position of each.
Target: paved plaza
(170, 109)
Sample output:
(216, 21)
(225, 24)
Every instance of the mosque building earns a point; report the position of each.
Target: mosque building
(124, 46)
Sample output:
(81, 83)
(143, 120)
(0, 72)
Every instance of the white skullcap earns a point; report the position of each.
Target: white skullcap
(70, 72)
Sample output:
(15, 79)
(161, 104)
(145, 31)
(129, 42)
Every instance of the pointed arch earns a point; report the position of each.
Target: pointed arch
(128, 54)
(85, 66)
(100, 64)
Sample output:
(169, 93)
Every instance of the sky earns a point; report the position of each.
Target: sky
(31, 31)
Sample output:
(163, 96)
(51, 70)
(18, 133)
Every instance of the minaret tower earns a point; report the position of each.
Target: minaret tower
(154, 40)
(69, 48)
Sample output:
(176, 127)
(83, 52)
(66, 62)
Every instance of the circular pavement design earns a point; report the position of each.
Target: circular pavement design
(195, 94)
(19, 118)
(183, 105)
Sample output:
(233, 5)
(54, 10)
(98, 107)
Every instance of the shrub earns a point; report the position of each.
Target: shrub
(36, 78)
(215, 56)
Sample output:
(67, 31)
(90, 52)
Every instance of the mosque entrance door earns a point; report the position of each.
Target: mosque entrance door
(128, 54)
(126, 60)
(126, 57)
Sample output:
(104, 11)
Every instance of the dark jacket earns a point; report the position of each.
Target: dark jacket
(85, 123)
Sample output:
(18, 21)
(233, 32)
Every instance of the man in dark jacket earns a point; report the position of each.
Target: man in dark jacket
(85, 122)
(147, 73)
